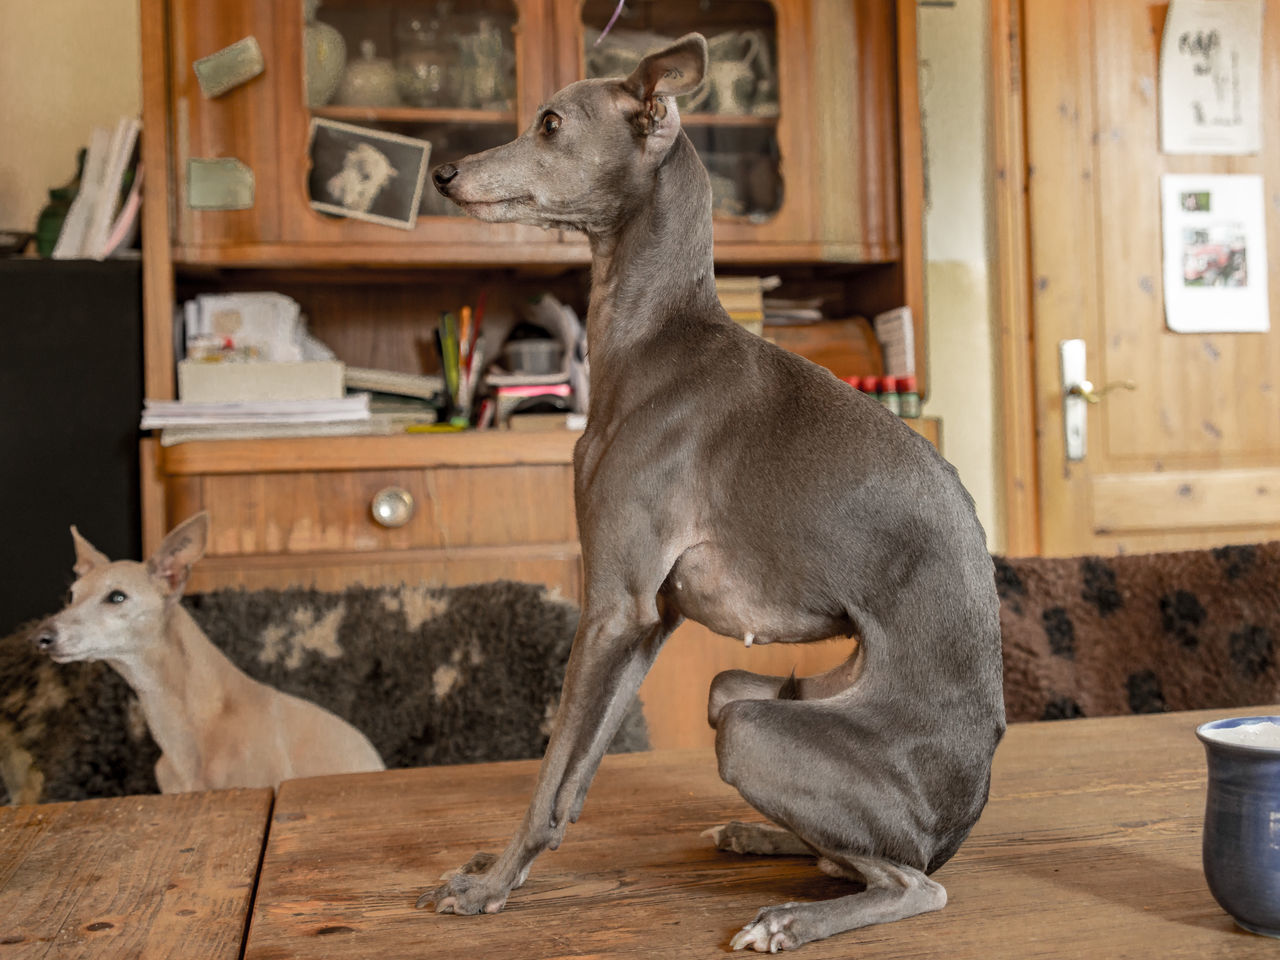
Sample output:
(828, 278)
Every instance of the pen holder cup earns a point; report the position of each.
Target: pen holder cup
(1242, 819)
(534, 356)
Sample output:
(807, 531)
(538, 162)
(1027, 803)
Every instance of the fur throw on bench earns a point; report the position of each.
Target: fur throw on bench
(473, 673)
(430, 675)
(1095, 636)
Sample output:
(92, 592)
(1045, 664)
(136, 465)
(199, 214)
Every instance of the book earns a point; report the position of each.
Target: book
(93, 222)
(75, 228)
(743, 299)
(124, 230)
(120, 160)
(391, 381)
(896, 333)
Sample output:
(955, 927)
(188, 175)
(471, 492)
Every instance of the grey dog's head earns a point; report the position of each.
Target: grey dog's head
(588, 150)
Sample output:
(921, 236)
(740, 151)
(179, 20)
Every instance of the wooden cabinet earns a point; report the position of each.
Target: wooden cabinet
(240, 124)
(266, 123)
(825, 157)
(818, 180)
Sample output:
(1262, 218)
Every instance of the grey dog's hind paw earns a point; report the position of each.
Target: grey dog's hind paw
(758, 838)
(771, 931)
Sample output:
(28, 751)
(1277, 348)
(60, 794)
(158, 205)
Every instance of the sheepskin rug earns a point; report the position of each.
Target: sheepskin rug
(430, 675)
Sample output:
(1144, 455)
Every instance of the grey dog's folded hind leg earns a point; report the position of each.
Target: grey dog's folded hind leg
(764, 839)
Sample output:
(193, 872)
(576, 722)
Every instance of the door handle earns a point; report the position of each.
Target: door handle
(1084, 389)
(1078, 393)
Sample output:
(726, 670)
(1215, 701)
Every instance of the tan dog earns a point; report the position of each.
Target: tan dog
(216, 727)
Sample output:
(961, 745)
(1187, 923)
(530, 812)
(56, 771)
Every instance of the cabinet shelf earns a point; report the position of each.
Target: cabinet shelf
(483, 448)
(425, 115)
(420, 115)
(728, 120)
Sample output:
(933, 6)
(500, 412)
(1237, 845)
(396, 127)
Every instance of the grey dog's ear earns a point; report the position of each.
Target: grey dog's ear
(670, 72)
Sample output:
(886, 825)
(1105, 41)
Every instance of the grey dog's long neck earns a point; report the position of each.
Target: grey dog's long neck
(657, 267)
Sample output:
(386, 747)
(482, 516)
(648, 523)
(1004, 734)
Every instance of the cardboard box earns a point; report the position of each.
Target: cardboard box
(201, 382)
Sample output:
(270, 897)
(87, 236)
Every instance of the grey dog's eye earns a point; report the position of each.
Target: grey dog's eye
(550, 123)
(116, 596)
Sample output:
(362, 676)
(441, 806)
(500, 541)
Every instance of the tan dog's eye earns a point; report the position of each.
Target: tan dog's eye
(550, 123)
(116, 596)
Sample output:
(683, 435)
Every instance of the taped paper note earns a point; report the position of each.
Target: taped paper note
(1210, 70)
(229, 67)
(1215, 254)
(223, 183)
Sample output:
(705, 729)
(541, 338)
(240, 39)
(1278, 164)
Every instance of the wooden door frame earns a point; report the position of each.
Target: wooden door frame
(1016, 396)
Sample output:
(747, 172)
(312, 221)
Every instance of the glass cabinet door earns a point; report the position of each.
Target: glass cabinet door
(733, 117)
(384, 91)
(436, 71)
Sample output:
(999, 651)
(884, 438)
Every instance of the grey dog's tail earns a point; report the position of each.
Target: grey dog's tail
(790, 689)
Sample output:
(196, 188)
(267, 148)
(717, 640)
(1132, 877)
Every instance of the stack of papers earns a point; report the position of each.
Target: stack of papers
(181, 422)
(249, 326)
(175, 413)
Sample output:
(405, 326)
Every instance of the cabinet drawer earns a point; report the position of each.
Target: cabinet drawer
(331, 511)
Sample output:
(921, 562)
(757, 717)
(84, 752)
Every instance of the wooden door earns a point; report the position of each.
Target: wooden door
(1191, 457)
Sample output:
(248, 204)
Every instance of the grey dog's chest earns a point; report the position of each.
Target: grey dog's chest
(729, 593)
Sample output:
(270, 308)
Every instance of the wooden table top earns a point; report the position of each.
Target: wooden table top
(1090, 847)
(150, 876)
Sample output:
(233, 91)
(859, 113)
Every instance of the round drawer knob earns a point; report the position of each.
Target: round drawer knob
(392, 506)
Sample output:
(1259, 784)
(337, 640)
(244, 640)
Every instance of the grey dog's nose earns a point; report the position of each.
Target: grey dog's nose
(443, 175)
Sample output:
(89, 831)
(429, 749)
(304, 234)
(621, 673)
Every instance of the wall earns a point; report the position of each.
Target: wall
(954, 88)
(65, 67)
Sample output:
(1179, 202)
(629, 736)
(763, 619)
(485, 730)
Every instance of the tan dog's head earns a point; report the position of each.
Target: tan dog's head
(117, 608)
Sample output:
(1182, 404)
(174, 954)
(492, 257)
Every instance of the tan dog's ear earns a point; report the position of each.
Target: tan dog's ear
(87, 555)
(171, 564)
(670, 72)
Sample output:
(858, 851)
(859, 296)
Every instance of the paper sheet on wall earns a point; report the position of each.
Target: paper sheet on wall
(1210, 69)
(1215, 253)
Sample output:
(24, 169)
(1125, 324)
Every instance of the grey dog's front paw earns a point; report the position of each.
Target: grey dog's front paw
(773, 929)
(468, 890)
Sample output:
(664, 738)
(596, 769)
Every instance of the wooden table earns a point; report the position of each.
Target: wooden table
(134, 877)
(1090, 847)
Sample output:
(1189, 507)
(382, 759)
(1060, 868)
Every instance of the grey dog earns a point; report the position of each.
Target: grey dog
(728, 481)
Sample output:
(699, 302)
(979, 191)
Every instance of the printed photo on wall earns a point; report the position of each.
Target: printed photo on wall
(366, 174)
(1215, 253)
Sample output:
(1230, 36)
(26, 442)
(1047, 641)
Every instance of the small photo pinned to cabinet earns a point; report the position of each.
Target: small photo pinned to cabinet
(366, 174)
